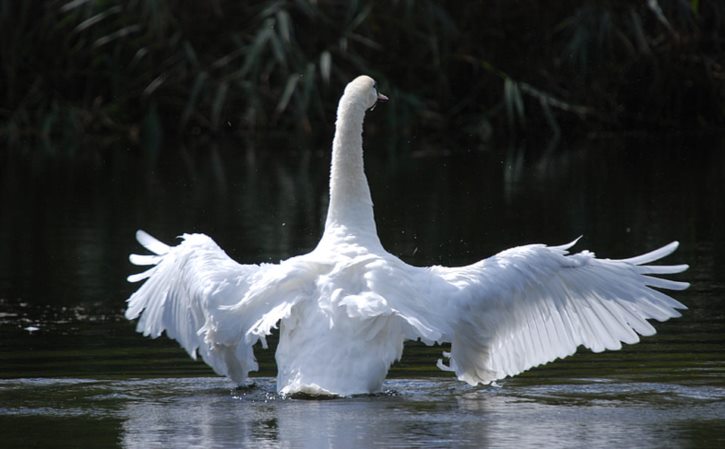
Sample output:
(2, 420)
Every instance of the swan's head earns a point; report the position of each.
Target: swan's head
(363, 90)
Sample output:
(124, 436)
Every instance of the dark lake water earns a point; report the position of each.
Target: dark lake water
(73, 373)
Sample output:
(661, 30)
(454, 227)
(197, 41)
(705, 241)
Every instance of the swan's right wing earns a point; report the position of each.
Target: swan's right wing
(206, 301)
(530, 305)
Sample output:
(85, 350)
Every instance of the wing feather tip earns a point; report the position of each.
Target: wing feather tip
(653, 255)
(679, 268)
(151, 243)
(143, 260)
(566, 246)
(133, 278)
(131, 314)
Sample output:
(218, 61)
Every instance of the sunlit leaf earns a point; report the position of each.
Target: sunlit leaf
(284, 23)
(514, 103)
(325, 65)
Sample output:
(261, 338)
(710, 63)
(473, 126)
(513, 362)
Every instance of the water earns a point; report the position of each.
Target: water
(74, 374)
(205, 412)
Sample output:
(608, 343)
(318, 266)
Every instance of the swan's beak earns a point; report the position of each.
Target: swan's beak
(381, 99)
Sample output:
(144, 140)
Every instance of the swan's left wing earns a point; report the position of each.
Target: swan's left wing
(209, 303)
(533, 304)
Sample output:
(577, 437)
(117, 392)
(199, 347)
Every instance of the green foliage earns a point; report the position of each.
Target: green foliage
(136, 70)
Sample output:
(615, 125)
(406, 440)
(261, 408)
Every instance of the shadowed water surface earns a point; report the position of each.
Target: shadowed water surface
(73, 367)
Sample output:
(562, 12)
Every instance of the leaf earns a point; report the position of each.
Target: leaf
(285, 27)
(550, 118)
(138, 56)
(654, 6)
(190, 54)
(277, 49)
(513, 102)
(289, 89)
(155, 84)
(73, 5)
(152, 133)
(193, 97)
(360, 18)
(519, 103)
(508, 101)
(308, 83)
(226, 59)
(325, 66)
(218, 104)
(97, 18)
(125, 31)
(257, 45)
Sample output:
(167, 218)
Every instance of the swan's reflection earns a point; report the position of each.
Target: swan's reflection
(211, 417)
(203, 413)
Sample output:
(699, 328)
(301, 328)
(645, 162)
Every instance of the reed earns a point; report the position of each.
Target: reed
(139, 70)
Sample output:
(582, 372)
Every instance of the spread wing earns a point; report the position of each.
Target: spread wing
(208, 302)
(533, 304)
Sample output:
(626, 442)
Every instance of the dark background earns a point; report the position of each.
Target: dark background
(79, 73)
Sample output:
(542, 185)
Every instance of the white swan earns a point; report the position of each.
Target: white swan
(345, 309)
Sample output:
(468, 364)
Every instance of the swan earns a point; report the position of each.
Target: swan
(345, 309)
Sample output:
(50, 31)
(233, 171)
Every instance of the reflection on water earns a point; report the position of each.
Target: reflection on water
(205, 412)
(63, 265)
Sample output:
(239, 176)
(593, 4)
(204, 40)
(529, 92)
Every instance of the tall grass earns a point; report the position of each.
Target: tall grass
(133, 68)
(138, 70)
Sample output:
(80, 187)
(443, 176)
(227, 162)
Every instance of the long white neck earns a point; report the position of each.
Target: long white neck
(351, 206)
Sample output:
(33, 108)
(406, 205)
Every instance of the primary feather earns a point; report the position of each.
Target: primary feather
(345, 309)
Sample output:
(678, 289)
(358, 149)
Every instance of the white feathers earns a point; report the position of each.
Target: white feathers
(345, 309)
(530, 305)
(653, 256)
(151, 243)
(183, 296)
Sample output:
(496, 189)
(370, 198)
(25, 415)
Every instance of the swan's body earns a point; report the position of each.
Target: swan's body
(345, 309)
